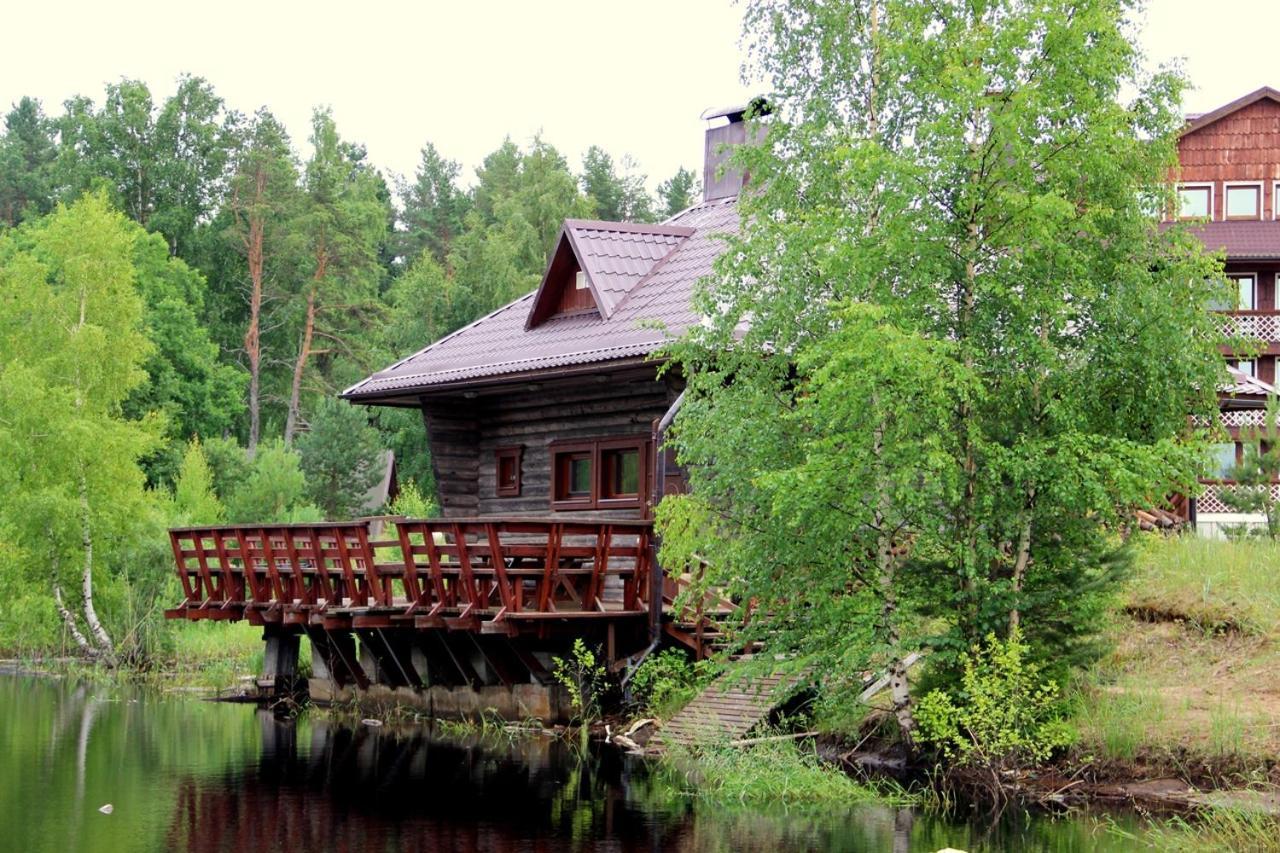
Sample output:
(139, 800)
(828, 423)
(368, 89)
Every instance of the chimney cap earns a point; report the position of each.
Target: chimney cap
(757, 106)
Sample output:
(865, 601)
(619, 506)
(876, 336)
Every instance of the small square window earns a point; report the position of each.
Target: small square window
(1194, 202)
(1224, 459)
(1243, 202)
(580, 281)
(621, 473)
(507, 472)
(572, 473)
(1247, 366)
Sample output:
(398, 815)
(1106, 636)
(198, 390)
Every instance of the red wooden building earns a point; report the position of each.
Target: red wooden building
(1229, 187)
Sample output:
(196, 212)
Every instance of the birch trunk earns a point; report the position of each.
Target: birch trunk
(96, 628)
(69, 620)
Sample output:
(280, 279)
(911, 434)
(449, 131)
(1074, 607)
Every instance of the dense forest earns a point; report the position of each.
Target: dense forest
(183, 295)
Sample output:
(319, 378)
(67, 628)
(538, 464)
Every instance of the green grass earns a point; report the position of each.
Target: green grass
(215, 655)
(780, 775)
(1215, 585)
(1210, 829)
(1197, 640)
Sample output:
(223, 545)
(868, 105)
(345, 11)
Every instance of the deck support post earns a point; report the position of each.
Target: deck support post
(280, 658)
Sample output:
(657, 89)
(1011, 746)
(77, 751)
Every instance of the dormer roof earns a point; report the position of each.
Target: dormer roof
(615, 256)
(1197, 121)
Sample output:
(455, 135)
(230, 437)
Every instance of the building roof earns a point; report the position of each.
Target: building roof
(1244, 385)
(615, 256)
(646, 309)
(1240, 239)
(1196, 121)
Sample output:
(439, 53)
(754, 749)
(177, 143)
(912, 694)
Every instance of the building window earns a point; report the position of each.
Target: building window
(1224, 460)
(1195, 202)
(1243, 202)
(603, 474)
(507, 471)
(1246, 287)
(1247, 366)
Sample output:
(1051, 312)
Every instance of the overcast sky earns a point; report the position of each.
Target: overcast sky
(632, 77)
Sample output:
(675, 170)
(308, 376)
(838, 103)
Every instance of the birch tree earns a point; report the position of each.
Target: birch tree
(979, 174)
(72, 345)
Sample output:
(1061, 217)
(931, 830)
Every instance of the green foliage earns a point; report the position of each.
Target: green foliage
(1049, 347)
(193, 493)
(434, 208)
(582, 675)
(411, 503)
(1004, 714)
(228, 464)
(677, 192)
(342, 458)
(664, 683)
(274, 491)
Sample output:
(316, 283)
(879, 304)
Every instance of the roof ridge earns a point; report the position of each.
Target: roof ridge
(629, 227)
(1207, 118)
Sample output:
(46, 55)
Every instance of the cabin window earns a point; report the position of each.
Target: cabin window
(1243, 202)
(1195, 202)
(603, 474)
(621, 474)
(507, 471)
(580, 280)
(571, 476)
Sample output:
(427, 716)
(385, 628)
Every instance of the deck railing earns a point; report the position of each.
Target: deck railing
(486, 574)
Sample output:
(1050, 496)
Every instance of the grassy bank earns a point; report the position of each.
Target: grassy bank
(1192, 684)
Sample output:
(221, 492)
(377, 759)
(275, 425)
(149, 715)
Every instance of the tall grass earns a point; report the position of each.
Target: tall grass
(1216, 828)
(1210, 583)
(780, 775)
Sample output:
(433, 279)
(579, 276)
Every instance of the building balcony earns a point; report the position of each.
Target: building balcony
(1261, 326)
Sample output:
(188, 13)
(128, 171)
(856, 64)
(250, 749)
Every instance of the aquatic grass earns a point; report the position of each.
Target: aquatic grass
(777, 775)
(1214, 828)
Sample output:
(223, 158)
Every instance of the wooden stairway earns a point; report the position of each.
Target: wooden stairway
(697, 625)
(725, 711)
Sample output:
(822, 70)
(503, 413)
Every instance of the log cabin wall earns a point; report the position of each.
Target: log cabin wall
(1243, 146)
(465, 433)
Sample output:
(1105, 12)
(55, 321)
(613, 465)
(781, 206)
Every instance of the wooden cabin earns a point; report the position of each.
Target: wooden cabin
(545, 422)
(551, 404)
(1229, 188)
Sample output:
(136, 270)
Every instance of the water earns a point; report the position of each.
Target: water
(183, 774)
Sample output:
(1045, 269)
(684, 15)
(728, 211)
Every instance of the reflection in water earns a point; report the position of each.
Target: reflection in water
(188, 775)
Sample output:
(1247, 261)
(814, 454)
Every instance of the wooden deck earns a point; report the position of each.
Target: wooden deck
(484, 575)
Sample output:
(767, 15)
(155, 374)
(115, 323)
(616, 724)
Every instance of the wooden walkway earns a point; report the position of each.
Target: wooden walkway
(726, 711)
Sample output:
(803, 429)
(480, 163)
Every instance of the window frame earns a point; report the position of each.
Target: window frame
(516, 455)
(1195, 185)
(1227, 187)
(1235, 278)
(595, 450)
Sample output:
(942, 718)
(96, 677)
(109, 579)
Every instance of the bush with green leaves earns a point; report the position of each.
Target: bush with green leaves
(664, 683)
(341, 456)
(583, 675)
(1003, 715)
(274, 491)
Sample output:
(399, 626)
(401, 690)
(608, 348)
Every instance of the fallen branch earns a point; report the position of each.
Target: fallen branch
(752, 741)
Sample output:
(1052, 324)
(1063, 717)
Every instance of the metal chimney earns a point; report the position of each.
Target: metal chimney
(719, 180)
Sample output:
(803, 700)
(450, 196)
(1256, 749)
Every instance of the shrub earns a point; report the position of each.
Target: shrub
(1004, 714)
(664, 683)
(583, 676)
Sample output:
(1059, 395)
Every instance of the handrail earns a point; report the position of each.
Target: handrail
(478, 573)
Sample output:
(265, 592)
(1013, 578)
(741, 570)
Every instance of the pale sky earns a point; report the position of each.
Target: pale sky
(631, 77)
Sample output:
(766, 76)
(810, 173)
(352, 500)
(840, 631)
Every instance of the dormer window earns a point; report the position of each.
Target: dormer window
(1195, 201)
(1243, 201)
(580, 281)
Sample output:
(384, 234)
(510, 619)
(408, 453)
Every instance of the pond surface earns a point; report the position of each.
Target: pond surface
(184, 774)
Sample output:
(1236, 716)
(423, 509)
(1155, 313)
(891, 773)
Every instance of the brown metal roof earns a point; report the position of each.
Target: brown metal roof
(498, 345)
(616, 256)
(1241, 239)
